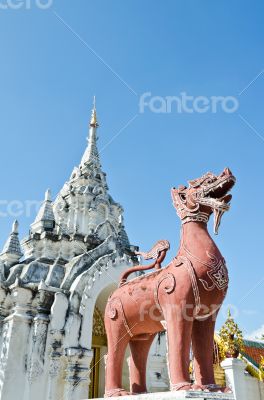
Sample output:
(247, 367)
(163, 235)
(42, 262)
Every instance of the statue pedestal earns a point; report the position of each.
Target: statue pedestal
(177, 396)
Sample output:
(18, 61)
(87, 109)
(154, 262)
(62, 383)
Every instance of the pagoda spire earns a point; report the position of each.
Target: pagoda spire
(12, 252)
(91, 154)
(94, 122)
(45, 220)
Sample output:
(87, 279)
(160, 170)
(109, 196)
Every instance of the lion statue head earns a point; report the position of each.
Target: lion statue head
(204, 196)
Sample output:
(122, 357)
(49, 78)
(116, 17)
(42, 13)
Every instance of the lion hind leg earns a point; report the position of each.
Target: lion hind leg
(138, 363)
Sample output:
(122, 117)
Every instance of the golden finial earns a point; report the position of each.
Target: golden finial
(94, 122)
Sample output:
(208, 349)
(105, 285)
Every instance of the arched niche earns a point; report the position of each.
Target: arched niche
(99, 345)
(98, 285)
(93, 288)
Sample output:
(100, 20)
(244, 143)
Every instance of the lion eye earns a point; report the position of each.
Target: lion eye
(182, 197)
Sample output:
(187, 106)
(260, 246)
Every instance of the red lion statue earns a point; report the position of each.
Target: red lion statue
(182, 298)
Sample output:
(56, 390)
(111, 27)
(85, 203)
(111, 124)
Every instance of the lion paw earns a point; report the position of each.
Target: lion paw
(197, 388)
(181, 386)
(226, 390)
(118, 392)
(211, 388)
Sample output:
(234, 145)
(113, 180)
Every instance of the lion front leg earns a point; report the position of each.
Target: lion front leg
(203, 336)
(179, 331)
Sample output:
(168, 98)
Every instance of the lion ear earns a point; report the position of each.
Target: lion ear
(178, 192)
(182, 188)
(174, 192)
(194, 183)
(178, 196)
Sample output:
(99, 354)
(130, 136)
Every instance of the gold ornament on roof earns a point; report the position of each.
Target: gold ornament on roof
(261, 368)
(231, 338)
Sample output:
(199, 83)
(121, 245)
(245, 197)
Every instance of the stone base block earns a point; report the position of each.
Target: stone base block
(181, 395)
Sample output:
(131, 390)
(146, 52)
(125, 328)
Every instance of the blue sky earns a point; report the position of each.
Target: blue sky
(54, 60)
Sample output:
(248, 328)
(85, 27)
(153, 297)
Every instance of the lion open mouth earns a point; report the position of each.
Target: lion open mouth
(217, 196)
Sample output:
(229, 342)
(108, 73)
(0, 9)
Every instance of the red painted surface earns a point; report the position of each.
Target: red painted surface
(183, 297)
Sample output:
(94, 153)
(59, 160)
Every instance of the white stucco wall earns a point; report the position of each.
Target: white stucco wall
(244, 386)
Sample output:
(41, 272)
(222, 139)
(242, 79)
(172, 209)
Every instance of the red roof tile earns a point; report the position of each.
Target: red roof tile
(253, 350)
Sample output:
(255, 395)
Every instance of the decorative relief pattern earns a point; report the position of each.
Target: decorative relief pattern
(113, 307)
(217, 271)
(180, 260)
(169, 288)
(98, 323)
(218, 275)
